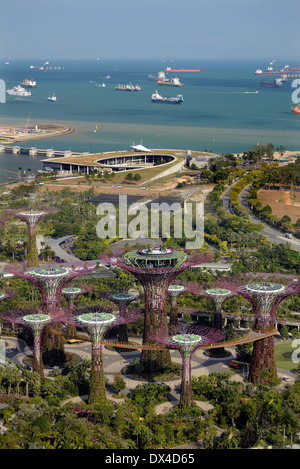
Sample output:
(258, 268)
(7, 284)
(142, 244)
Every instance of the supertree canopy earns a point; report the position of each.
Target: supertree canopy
(156, 269)
(31, 218)
(36, 322)
(96, 323)
(51, 279)
(264, 292)
(187, 341)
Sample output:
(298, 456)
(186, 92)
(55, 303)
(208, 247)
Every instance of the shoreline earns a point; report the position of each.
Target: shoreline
(111, 134)
(13, 134)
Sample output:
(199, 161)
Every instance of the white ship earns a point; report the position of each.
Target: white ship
(18, 91)
(258, 71)
(52, 98)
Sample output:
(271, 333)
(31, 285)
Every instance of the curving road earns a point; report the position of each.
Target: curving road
(272, 234)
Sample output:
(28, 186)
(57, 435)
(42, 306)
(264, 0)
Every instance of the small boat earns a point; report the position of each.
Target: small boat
(52, 98)
(258, 71)
(101, 85)
(95, 130)
(296, 109)
(157, 98)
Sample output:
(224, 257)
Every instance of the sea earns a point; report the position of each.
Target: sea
(225, 109)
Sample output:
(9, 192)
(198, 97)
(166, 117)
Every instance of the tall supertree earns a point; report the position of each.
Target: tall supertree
(187, 340)
(121, 298)
(36, 322)
(156, 269)
(96, 323)
(264, 292)
(174, 291)
(51, 279)
(31, 218)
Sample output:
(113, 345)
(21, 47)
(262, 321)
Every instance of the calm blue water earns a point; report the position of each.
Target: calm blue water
(221, 111)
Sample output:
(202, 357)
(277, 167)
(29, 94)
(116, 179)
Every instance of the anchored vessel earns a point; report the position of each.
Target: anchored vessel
(28, 83)
(157, 98)
(173, 82)
(18, 91)
(169, 69)
(129, 87)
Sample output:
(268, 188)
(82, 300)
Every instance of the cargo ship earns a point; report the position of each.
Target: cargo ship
(157, 98)
(129, 87)
(169, 69)
(28, 83)
(274, 84)
(173, 82)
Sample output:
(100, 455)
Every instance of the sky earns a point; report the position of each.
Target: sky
(143, 29)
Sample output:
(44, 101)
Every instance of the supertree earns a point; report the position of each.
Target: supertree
(174, 291)
(156, 269)
(264, 292)
(51, 279)
(36, 322)
(187, 340)
(31, 218)
(121, 298)
(217, 296)
(71, 293)
(96, 322)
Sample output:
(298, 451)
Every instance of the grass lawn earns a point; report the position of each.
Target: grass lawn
(283, 356)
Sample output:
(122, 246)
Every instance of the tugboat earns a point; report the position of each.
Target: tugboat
(296, 109)
(157, 98)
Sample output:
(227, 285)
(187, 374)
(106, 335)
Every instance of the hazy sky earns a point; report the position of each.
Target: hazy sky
(170, 29)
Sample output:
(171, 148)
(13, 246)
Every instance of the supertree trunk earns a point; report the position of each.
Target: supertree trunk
(37, 356)
(263, 368)
(186, 399)
(174, 313)
(97, 380)
(155, 323)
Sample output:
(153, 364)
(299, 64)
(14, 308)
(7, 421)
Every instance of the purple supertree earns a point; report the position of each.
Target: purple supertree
(36, 322)
(96, 322)
(216, 295)
(71, 293)
(51, 279)
(187, 340)
(156, 269)
(122, 298)
(264, 292)
(174, 292)
(31, 218)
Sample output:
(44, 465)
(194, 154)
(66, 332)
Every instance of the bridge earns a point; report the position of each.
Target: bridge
(17, 150)
(250, 336)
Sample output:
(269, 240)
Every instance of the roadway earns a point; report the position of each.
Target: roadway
(272, 234)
